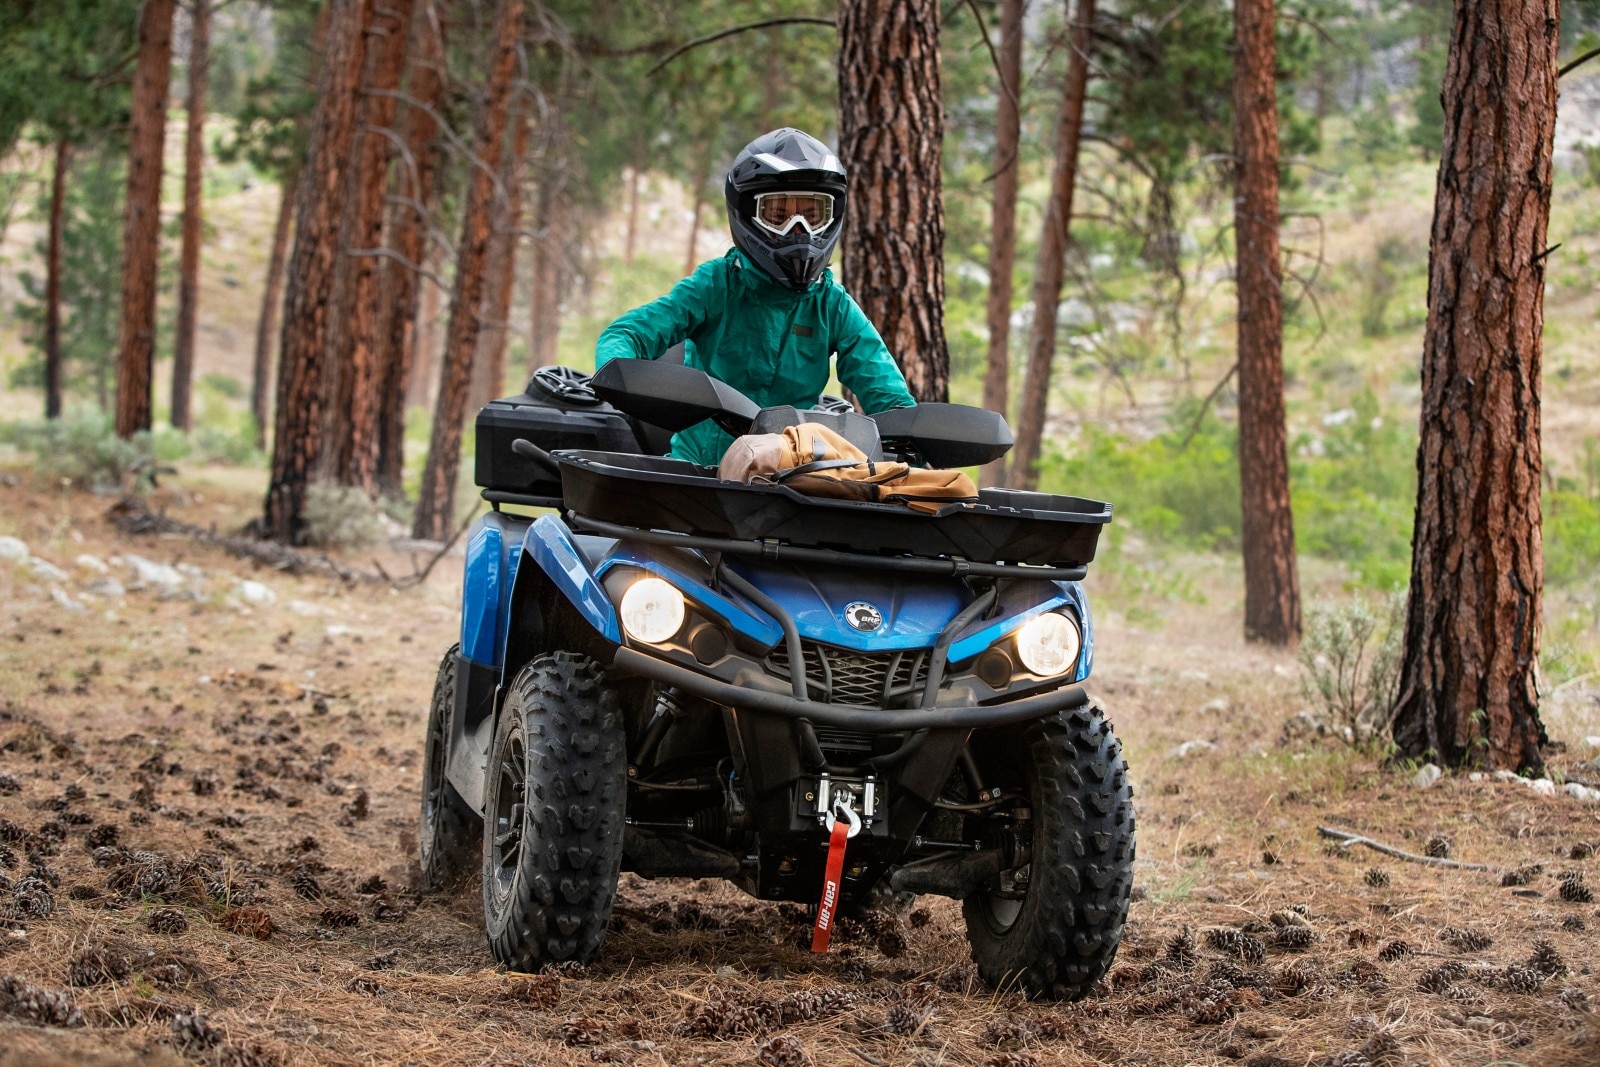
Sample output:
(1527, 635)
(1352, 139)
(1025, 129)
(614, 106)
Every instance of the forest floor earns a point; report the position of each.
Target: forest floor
(208, 802)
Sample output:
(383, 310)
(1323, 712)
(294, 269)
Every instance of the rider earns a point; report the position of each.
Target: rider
(766, 317)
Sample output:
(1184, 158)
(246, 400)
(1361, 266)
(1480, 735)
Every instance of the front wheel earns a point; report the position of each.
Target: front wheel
(553, 819)
(1052, 922)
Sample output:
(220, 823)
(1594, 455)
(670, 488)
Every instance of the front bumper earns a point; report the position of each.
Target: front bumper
(849, 716)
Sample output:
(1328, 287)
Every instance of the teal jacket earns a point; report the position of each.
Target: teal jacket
(770, 343)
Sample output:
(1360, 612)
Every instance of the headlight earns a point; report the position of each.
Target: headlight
(1048, 644)
(652, 610)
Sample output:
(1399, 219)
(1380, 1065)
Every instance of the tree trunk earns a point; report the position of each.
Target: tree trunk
(141, 226)
(194, 161)
(416, 185)
(1051, 267)
(545, 299)
(1003, 222)
(436, 502)
(1271, 585)
(271, 304)
(891, 125)
(489, 366)
(52, 283)
(354, 448)
(1468, 692)
(298, 439)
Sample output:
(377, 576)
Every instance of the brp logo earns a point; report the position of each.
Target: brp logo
(863, 616)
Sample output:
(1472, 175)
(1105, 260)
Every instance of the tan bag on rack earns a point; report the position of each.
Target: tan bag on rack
(813, 459)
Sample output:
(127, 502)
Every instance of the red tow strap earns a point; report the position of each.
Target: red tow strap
(830, 887)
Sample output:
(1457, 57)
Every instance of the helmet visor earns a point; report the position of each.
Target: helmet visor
(780, 213)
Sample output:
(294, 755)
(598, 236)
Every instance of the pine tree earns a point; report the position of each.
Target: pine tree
(194, 151)
(416, 195)
(436, 502)
(354, 448)
(1468, 678)
(141, 240)
(1047, 277)
(298, 440)
(891, 125)
(1271, 584)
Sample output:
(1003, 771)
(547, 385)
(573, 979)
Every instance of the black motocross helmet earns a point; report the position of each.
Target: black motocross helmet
(786, 205)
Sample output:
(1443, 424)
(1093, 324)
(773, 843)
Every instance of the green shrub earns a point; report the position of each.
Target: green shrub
(1350, 664)
(82, 448)
(342, 517)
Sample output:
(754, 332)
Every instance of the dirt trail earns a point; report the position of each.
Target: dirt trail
(207, 809)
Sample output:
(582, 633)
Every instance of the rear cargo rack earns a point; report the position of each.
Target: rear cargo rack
(777, 551)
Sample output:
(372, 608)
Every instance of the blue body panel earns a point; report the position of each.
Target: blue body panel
(914, 608)
(492, 559)
(549, 543)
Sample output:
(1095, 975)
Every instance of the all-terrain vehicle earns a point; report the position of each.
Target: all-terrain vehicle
(685, 677)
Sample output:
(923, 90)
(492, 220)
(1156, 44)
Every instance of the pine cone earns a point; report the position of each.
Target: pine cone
(1376, 877)
(191, 1030)
(1517, 979)
(97, 966)
(1244, 946)
(1546, 960)
(1573, 889)
(540, 990)
(1573, 922)
(582, 1030)
(47, 1007)
(903, 1019)
(781, 1050)
(31, 899)
(1295, 938)
(1464, 939)
(366, 986)
(1394, 950)
(1181, 949)
(1438, 847)
(1521, 876)
(1440, 979)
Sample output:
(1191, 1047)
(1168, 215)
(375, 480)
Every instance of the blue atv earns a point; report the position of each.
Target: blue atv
(832, 702)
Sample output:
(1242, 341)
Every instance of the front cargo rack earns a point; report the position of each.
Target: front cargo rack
(1004, 532)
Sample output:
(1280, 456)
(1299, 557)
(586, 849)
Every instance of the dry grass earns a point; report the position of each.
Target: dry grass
(183, 802)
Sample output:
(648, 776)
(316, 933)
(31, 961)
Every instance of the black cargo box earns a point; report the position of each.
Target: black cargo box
(550, 424)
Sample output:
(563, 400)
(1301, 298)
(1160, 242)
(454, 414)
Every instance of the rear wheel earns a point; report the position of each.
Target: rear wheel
(553, 820)
(450, 833)
(1052, 922)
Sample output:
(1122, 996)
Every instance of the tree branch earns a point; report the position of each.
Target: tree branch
(761, 24)
(1576, 63)
(1205, 406)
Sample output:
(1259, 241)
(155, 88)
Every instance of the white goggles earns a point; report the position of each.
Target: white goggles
(780, 213)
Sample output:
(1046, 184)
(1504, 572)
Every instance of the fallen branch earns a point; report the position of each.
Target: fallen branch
(1576, 63)
(1347, 839)
(131, 516)
(421, 575)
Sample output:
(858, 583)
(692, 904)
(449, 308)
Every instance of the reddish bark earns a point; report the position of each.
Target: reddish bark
(416, 187)
(194, 153)
(271, 304)
(1271, 583)
(1003, 221)
(1051, 268)
(52, 283)
(891, 125)
(354, 448)
(141, 227)
(436, 502)
(309, 309)
(1468, 680)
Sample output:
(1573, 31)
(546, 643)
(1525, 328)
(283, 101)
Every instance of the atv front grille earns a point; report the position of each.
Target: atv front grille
(864, 679)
